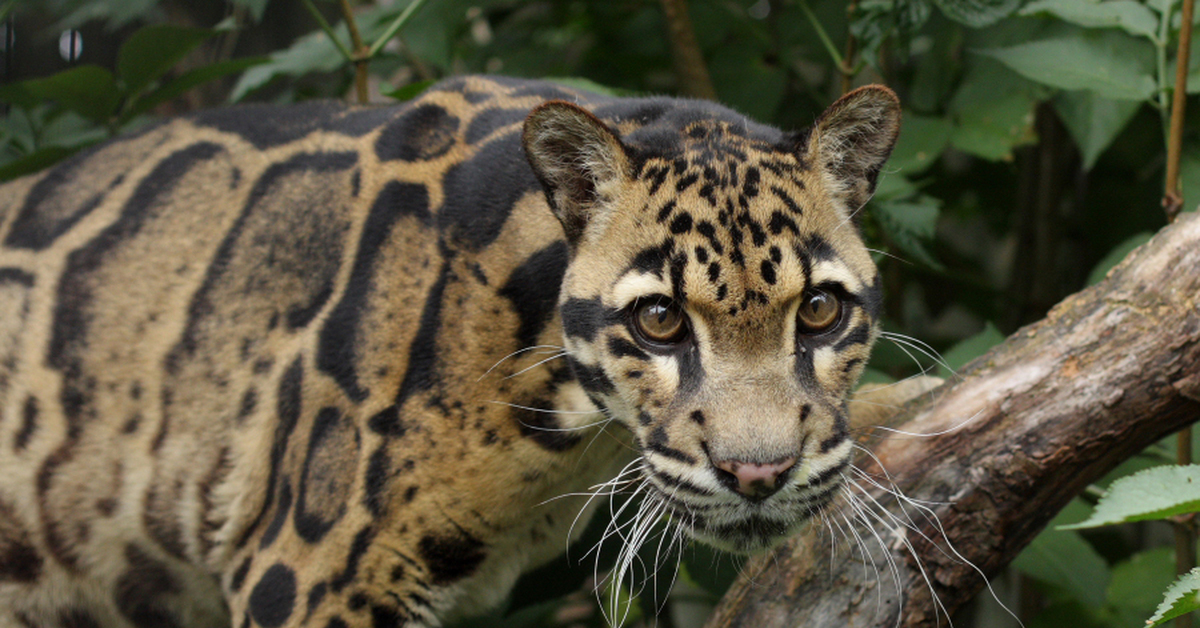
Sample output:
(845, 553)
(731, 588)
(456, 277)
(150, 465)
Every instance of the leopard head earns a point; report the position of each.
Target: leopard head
(719, 301)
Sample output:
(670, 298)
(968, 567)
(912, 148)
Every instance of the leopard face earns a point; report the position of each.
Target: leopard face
(719, 302)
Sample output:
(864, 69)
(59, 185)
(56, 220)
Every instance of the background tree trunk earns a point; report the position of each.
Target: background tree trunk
(1026, 427)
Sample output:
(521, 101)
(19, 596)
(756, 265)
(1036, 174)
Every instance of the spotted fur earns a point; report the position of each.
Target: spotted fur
(303, 366)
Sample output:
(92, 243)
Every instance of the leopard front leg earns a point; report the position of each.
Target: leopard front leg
(359, 580)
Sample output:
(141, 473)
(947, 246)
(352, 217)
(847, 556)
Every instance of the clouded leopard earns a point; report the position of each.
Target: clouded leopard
(329, 366)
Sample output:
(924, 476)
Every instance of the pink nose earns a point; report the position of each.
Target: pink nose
(753, 480)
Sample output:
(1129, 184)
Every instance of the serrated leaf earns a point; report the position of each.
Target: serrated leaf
(89, 90)
(993, 111)
(970, 348)
(1156, 493)
(1093, 121)
(1110, 63)
(1180, 598)
(1132, 17)
(1117, 254)
(922, 140)
(152, 51)
(977, 13)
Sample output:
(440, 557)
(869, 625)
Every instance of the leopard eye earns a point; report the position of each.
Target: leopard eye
(819, 311)
(660, 321)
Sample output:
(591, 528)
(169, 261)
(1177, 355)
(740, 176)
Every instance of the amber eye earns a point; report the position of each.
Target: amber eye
(819, 310)
(660, 321)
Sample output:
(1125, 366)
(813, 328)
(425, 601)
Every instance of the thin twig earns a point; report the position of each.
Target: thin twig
(361, 54)
(1173, 198)
(694, 79)
(312, 8)
(395, 27)
(846, 67)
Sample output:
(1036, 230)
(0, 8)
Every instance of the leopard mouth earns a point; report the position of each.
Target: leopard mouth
(747, 527)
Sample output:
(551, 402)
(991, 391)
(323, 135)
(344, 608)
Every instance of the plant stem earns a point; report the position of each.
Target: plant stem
(689, 62)
(394, 27)
(361, 54)
(847, 65)
(822, 35)
(312, 9)
(1172, 197)
(1185, 537)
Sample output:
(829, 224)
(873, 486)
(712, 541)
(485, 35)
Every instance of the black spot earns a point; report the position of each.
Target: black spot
(357, 602)
(779, 222)
(591, 378)
(644, 418)
(315, 596)
(19, 559)
(697, 417)
(776, 255)
(686, 182)
(274, 597)
(652, 260)
(787, 200)
(29, 416)
(336, 622)
(583, 318)
(481, 192)
(339, 336)
(750, 184)
(359, 547)
(533, 289)
(681, 224)
(282, 509)
(387, 422)
(701, 255)
(387, 617)
(619, 347)
(239, 575)
(678, 291)
(816, 248)
(768, 271)
(709, 231)
(722, 292)
(665, 212)
(327, 479)
(139, 592)
(249, 403)
(714, 273)
(451, 557)
(840, 433)
(410, 493)
(657, 175)
(422, 133)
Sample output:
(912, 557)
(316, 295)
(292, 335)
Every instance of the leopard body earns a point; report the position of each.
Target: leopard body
(321, 365)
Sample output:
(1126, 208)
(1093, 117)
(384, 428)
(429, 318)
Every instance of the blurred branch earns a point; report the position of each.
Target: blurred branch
(689, 62)
(1026, 427)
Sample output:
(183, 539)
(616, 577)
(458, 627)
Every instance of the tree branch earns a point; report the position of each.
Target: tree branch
(689, 62)
(1109, 371)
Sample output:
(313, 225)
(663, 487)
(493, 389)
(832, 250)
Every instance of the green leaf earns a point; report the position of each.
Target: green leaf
(1117, 254)
(310, 53)
(1110, 63)
(922, 140)
(1132, 17)
(977, 13)
(410, 91)
(1065, 560)
(1156, 493)
(152, 51)
(970, 348)
(909, 224)
(993, 111)
(744, 81)
(1189, 175)
(1181, 598)
(192, 78)
(115, 14)
(1094, 121)
(89, 90)
(1137, 585)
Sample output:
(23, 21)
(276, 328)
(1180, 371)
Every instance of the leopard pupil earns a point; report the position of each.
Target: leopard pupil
(661, 322)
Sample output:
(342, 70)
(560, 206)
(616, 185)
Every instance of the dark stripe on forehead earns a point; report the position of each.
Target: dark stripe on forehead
(583, 318)
(652, 259)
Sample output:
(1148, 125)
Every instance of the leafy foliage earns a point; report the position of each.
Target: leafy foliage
(1029, 164)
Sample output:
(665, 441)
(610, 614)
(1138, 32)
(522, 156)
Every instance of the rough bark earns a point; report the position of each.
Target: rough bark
(1109, 371)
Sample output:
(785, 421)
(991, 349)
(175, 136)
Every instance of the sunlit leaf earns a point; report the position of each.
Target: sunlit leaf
(1181, 598)
(1132, 17)
(993, 111)
(1156, 493)
(1110, 63)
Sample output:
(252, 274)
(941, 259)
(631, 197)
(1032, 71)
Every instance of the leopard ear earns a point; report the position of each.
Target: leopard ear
(851, 141)
(574, 155)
